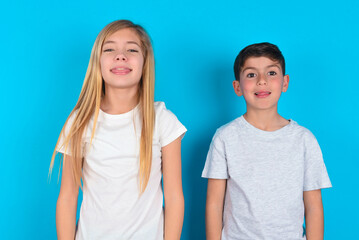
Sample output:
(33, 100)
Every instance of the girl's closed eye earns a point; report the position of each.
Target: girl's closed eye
(132, 50)
(108, 50)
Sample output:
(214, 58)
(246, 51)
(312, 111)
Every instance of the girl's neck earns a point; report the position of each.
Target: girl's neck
(119, 101)
(265, 120)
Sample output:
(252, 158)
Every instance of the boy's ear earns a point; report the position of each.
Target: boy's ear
(237, 88)
(285, 83)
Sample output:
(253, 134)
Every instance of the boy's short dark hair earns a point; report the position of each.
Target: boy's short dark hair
(264, 49)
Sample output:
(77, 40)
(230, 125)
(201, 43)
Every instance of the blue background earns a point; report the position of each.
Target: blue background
(45, 48)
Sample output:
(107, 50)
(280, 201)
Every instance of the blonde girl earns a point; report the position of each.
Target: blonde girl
(119, 143)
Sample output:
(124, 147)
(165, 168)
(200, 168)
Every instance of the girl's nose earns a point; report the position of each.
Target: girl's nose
(121, 57)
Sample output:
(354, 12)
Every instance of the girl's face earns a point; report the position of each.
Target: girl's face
(122, 60)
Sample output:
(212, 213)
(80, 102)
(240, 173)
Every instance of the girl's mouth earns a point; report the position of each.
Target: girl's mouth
(120, 70)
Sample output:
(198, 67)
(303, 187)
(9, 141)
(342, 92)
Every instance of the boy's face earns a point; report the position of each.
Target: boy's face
(261, 83)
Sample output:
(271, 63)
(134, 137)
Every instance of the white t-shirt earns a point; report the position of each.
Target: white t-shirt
(112, 207)
(267, 173)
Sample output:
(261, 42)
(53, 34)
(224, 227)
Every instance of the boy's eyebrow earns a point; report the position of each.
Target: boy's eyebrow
(253, 68)
(128, 42)
(269, 66)
(274, 65)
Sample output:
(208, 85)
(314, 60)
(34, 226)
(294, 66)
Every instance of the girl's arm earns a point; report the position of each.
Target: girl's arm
(314, 218)
(67, 203)
(216, 190)
(172, 187)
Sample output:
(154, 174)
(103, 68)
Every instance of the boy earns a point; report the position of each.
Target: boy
(264, 172)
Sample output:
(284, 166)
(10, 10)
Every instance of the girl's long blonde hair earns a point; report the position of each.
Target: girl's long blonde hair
(92, 92)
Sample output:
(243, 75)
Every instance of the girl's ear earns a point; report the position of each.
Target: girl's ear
(237, 88)
(285, 83)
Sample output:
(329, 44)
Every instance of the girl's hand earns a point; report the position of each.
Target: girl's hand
(172, 186)
(67, 203)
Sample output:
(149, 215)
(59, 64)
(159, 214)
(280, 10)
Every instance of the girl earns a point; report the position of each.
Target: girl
(118, 142)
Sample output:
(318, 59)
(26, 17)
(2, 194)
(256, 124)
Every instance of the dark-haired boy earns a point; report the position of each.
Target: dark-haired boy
(264, 172)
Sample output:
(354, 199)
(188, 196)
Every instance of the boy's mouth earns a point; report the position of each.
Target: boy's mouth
(262, 94)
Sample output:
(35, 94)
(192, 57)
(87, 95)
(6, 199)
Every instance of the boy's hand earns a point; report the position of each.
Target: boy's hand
(314, 218)
(214, 208)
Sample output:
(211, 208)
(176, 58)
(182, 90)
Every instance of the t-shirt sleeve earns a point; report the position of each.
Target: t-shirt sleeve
(65, 131)
(170, 128)
(315, 172)
(216, 162)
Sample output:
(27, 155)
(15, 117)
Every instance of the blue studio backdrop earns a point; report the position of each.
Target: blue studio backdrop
(45, 48)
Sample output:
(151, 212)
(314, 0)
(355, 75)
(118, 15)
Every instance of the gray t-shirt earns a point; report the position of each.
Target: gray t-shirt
(266, 174)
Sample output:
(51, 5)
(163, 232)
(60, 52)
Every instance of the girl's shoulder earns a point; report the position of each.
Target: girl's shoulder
(167, 126)
(162, 113)
(70, 120)
(159, 106)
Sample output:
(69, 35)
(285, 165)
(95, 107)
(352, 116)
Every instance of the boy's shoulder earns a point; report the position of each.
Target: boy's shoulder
(300, 130)
(301, 135)
(232, 125)
(230, 128)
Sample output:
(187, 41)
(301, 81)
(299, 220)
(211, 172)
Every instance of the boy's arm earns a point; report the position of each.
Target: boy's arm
(172, 188)
(314, 217)
(67, 203)
(214, 208)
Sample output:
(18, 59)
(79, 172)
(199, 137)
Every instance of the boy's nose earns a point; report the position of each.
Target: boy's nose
(262, 80)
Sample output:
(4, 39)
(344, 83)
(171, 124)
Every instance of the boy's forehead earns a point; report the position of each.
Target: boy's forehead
(259, 63)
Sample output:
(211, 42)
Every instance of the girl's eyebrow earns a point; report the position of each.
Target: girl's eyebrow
(133, 42)
(128, 42)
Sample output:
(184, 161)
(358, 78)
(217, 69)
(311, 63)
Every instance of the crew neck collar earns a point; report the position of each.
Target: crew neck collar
(108, 116)
(266, 133)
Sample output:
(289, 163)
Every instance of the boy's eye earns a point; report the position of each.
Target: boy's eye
(251, 75)
(272, 73)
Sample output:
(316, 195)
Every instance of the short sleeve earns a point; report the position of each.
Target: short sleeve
(170, 128)
(315, 172)
(65, 131)
(216, 162)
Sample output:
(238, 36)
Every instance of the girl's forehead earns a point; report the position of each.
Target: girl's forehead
(123, 35)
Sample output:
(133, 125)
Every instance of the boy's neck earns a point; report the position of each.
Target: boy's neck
(265, 120)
